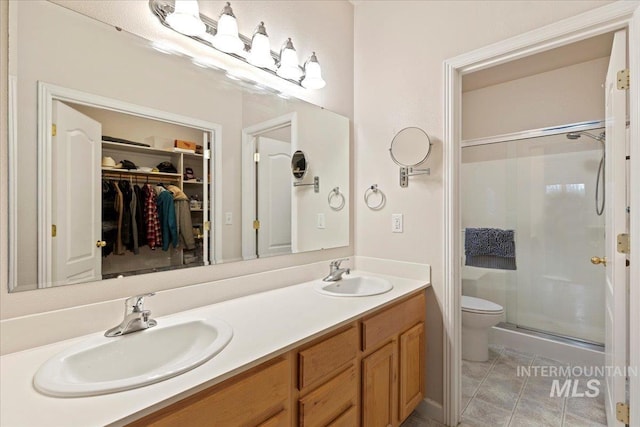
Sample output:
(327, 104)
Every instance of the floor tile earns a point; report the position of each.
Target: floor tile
(530, 412)
(575, 421)
(482, 414)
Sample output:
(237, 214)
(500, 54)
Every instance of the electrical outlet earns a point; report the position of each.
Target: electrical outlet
(320, 223)
(396, 223)
(228, 218)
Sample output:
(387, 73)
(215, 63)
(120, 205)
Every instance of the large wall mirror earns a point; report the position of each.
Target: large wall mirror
(103, 129)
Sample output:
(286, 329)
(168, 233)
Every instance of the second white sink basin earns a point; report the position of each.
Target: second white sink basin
(357, 286)
(101, 365)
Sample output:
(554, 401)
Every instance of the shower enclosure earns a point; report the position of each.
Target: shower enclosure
(542, 184)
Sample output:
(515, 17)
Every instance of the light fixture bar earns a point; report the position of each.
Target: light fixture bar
(163, 8)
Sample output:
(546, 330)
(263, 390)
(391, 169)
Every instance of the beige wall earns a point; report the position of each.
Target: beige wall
(399, 50)
(304, 21)
(567, 95)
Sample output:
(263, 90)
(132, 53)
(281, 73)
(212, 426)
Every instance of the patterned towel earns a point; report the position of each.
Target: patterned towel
(490, 248)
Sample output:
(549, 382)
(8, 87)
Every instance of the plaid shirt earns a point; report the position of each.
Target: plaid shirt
(151, 219)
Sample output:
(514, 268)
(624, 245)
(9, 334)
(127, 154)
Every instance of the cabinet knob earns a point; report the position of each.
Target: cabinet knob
(101, 244)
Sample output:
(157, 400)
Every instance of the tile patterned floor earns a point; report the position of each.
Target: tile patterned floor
(494, 395)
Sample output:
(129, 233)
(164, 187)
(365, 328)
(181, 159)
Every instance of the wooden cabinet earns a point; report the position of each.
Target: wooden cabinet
(328, 378)
(393, 374)
(370, 373)
(257, 397)
(379, 385)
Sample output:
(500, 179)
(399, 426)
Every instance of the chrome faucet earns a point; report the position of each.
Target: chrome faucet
(136, 318)
(335, 272)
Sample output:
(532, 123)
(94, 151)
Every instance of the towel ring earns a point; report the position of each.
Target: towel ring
(336, 193)
(371, 191)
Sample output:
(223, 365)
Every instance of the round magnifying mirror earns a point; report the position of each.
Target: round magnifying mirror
(410, 147)
(299, 165)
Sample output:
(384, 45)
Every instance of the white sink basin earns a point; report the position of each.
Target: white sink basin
(101, 365)
(357, 286)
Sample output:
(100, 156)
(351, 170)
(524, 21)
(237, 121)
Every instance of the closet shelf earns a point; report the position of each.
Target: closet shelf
(107, 145)
(111, 172)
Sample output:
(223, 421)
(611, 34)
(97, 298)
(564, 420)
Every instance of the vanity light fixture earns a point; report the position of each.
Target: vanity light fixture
(288, 67)
(185, 18)
(260, 53)
(313, 74)
(226, 38)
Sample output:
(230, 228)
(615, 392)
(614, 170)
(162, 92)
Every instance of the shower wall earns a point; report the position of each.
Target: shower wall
(544, 189)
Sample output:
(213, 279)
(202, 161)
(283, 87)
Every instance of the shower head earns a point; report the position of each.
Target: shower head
(576, 135)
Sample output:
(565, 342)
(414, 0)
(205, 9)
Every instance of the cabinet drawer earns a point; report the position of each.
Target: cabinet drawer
(281, 419)
(348, 418)
(329, 401)
(324, 358)
(248, 399)
(392, 321)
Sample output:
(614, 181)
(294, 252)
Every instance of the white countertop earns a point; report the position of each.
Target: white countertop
(264, 325)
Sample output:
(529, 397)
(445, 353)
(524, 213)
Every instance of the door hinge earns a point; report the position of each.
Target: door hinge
(256, 157)
(624, 244)
(622, 412)
(54, 129)
(623, 79)
(256, 225)
(207, 225)
(54, 230)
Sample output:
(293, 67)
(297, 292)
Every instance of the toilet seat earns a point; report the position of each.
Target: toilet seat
(479, 305)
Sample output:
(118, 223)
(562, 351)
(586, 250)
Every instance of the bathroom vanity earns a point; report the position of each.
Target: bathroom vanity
(297, 357)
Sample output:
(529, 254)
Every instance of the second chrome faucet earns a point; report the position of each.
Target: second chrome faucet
(335, 272)
(136, 318)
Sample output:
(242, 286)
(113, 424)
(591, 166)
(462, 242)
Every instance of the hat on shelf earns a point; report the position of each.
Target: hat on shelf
(108, 162)
(126, 164)
(167, 167)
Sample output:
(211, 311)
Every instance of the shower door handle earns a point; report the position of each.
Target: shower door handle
(597, 260)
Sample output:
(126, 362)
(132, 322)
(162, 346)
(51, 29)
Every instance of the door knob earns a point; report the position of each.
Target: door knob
(101, 244)
(597, 260)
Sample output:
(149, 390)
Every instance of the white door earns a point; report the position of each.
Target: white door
(615, 223)
(77, 197)
(274, 197)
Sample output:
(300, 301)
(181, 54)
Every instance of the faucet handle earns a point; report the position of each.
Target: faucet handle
(135, 304)
(336, 263)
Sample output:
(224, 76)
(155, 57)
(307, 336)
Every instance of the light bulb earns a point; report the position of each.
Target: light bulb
(260, 54)
(185, 18)
(288, 67)
(313, 74)
(226, 38)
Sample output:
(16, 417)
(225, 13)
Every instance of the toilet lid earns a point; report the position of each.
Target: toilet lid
(479, 305)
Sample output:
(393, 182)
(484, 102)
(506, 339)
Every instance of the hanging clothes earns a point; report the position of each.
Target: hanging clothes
(167, 215)
(109, 218)
(141, 225)
(127, 191)
(183, 216)
(152, 221)
(134, 224)
(119, 208)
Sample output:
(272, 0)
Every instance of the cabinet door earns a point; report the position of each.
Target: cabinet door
(379, 387)
(411, 369)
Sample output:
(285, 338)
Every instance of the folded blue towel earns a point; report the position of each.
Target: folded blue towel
(490, 248)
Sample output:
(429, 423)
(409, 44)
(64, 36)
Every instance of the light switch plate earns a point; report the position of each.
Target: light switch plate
(396, 223)
(320, 222)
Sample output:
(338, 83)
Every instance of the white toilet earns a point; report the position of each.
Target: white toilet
(478, 315)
